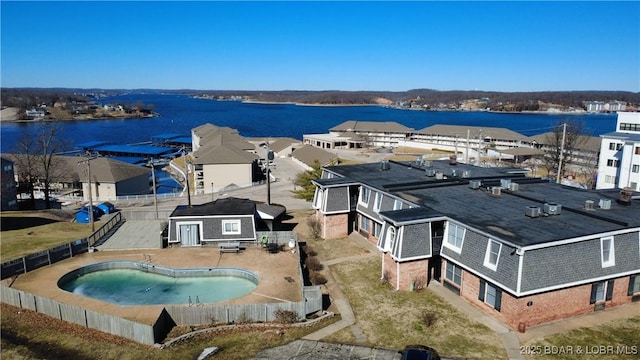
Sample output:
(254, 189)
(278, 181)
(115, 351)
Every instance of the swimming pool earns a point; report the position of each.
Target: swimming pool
(128, 283)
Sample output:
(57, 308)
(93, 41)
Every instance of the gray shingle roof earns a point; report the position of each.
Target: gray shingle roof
(309, 154)
(223, 155)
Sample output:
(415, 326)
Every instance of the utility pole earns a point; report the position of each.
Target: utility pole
(153, 180)
(561, 156)
(466, 156)
(88, 161)
(270, 158)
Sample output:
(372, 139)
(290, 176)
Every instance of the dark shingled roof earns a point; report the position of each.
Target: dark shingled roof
(223, 206)
(501, 216)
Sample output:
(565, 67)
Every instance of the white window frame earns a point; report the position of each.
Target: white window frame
(489, 254)
(317, 204)
(377, 228)
(610, 260)
(636, 284)
(453, 246)
(390, 238)
(377, 202)
(397, 204)
(454, 268)
(367, 191)
(238, 231)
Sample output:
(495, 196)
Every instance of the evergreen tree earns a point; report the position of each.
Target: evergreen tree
(304, 187)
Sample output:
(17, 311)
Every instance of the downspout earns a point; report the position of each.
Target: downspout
(397, 275)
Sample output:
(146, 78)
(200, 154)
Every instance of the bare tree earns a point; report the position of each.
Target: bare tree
(37, 158)
(565, 139)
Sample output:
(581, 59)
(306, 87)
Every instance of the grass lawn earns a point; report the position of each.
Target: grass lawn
(393, 319)
(27, 232)
(618, 339)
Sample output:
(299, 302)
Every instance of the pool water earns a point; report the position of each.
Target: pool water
(138, 286)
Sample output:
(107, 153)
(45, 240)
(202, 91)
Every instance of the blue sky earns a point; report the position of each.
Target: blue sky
(396, 46)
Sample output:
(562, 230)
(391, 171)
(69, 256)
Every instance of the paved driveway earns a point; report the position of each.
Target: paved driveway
(318, 350)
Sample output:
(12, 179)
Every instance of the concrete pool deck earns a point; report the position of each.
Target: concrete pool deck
(278, 274)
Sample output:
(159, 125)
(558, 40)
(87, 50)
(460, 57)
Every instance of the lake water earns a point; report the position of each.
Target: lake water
(180, 113)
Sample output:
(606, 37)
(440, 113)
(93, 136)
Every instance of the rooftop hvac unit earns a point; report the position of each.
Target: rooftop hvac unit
(384, 165)
(475, 184)
(604, 204)
(496, 190)
(552, 208)
(532, 211)
(505, 183)
(513, 186)
(466, 173)
(589, 205)
(439, 175)
(427, 163)
(430, 172)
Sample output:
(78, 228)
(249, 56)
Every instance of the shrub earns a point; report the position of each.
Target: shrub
(428, 317)
(310, 251)
(418, 282)
(317, 278)
(286, 316)
(313, 264)
(314, 227)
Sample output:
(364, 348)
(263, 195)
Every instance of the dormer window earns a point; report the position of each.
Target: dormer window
(397, 204)
(377, 202)
(607, 252)
(390, 239)
(365, 194)
(492, 255)
(455, 237)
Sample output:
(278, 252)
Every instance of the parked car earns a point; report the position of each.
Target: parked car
(419, 352)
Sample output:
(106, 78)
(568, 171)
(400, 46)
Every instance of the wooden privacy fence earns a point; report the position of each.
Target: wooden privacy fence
(51, 256)
(170, 316)
(145, 334)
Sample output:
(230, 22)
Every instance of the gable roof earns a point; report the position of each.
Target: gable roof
(591, 143)
(461, 130)
(309, 154)
(223, 155)
(282, 143)
(103, 169)
(373, 126)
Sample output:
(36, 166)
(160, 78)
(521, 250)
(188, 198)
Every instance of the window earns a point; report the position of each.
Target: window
(377, 202)
(612, 162)
(609, 179)
(364, 196)
(230, 227)
(492, 254)
(7, 168)
(601, 291)
(637, 151)
(607, 252)
(490, 295)
(376, 229)
(612, 146)
(364, 223)
(390, 239)
(619, 146)
(635, 168)
(397, 204)
(455, 237)
(319, 199)
(453, 273)
(634, 284)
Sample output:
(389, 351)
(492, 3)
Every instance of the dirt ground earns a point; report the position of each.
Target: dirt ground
(274, 271)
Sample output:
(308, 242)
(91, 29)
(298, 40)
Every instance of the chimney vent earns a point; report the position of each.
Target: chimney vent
(625, 196)
(496, 190)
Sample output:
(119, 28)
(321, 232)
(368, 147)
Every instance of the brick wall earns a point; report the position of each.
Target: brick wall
(540, 308)
(409, 271)
(333, 226)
